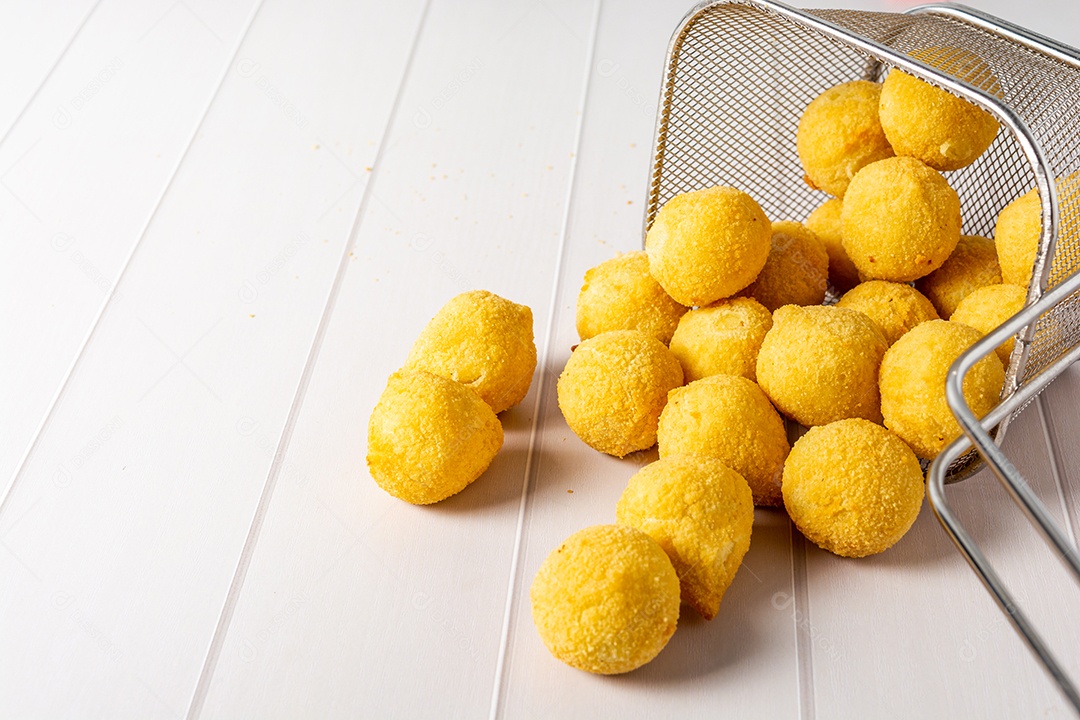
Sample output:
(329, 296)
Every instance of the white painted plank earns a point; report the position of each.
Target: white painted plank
(743, 663)
(356, 603)
(33, 38)
(1062, 420)
(112, 577)
(917, 634)
(80, 175)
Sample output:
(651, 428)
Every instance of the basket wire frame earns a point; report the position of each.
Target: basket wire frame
(739, 74)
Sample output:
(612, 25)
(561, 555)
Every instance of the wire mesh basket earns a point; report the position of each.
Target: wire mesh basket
(739, 75)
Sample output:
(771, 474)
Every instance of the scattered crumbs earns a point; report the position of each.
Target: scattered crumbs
(445, 176)
(352, 254)
(633, 145)
(367, 168)
(251, 315)
(571, 154)
(431, 178)
(315, 146)
(550, 167)
(524, 194)
(434, 164)
(296, 277)
(629, 202)
(570, 491)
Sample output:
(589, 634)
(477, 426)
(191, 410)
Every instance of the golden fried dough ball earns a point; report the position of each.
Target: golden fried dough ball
(819, 364)
(700, 512)
(708, 244)
(606, 600)
(913, 385)
(895, 307)
(988, 307)
(852, 487)
(723, 338)
(972, 265)
(1016, 235)
(429, 437)
(613, 388)
(839, 133)
(901, 220)
(729, 418)
(825, 222)
(796, 272)
(931, 124)
(620, 294)
(481, 340)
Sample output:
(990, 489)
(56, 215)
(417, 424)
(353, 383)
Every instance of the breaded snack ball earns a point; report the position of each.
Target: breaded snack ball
(1016, 235)
(606, 600)
(796, 272)
(620, 294)
(613, 388)
(429, 437)
(700, 512)
(988, 307)
(852, 487)
(481, 340)
(729, 418)
(895, 307)
(901, 220)
(972, 265)
(825, 222)
(839, 133)
(708, 244)
(723, 338)
(819, 364)
(913, 385)
(931, 124)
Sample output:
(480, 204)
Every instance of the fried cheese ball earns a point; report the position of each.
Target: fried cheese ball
(620, 294)
(825, 222)
(723, 338)
(607, 600)
(988, 307)
(972, 265)
(1019, 227)
(700, 512)
(708, 244)
(819, 364)
(931, 124)
(894, 307)
(839, 133)
(796, 272)
(913, 385)
(901, 220)
(852, 487)
(613, 388)
(728, 418)
(429, 437)
(481, 340)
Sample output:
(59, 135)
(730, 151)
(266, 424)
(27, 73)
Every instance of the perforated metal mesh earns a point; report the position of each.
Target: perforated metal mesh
(741, 73)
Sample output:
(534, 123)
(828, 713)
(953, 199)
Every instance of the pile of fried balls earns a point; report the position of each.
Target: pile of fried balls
(705, 342)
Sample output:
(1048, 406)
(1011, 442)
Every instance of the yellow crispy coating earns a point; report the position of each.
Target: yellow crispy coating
(825, 222)
(988, 307)
(819, 364)
(620, 294)
(796, 272)
(895, 307)
(613, 388)
(708, 244)
(901, 220)
(729, 418)
(852, 487)
(840, 133)
(723, 338)
(700, 512)
(481, 340)
(1016, 235)
(606, 600)
(972, 265)
(429, 437)
(931, 124)
(913, 385)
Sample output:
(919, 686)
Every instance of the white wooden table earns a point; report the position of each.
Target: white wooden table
(223, 224)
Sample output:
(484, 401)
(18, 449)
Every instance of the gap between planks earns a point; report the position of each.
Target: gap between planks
(65, 383)
(531, 462)
(221, 630)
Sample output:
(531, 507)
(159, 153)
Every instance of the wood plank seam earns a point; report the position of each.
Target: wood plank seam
(1056, 466)
(51, 70)
(113, 293)
(804, 635)
(221, 631)
(545, 359)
